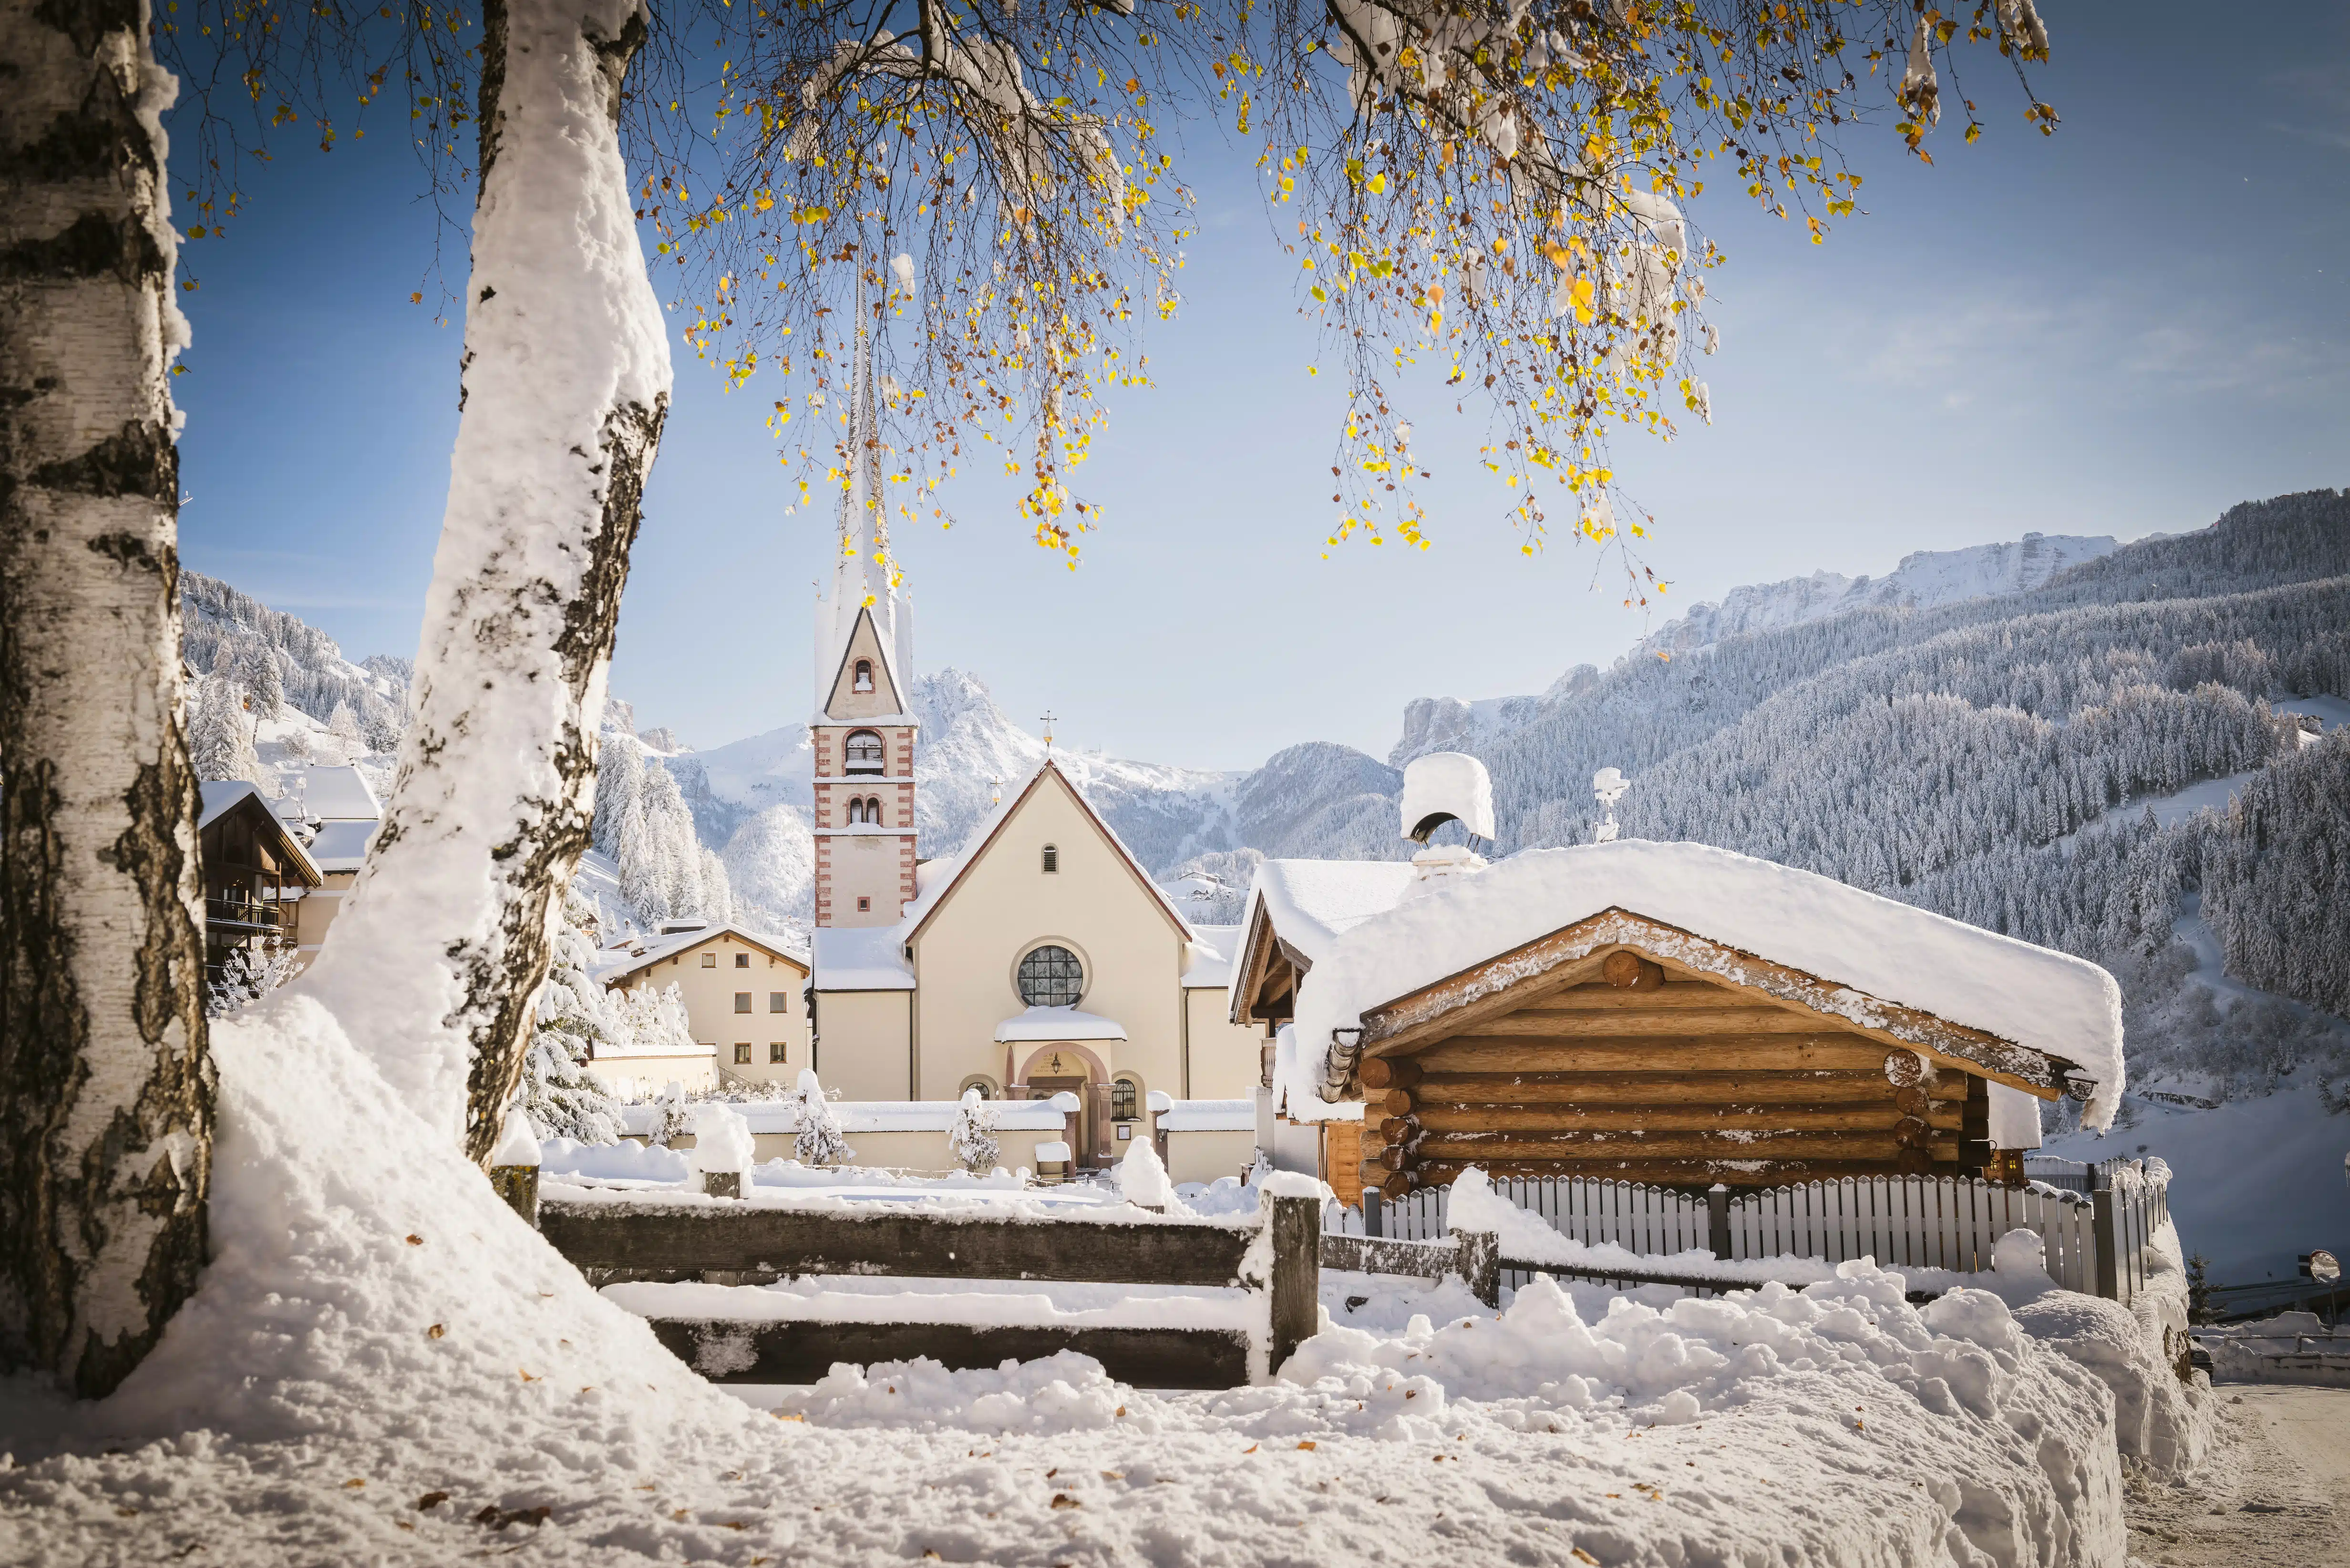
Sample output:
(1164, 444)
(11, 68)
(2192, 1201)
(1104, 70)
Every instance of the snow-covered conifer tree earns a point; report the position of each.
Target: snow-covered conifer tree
(258, 671)
(106, 1089)
(971, 1137)
(562, 1097)
(344, 725)
(220, 734)
(619, 779)
(437, 955)
(820, 1141)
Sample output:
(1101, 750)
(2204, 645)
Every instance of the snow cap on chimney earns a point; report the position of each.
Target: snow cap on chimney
(1447, 786)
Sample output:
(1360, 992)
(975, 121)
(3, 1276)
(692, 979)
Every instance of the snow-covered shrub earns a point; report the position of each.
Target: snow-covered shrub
(821, 1141)
(652, 1018)
(723, 1145)
(246, 976)
(1142, 1177)
(971, 1137)
(576, 1016)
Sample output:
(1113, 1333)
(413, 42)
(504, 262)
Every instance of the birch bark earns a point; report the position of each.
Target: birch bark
(435, 961)
(106, 1093)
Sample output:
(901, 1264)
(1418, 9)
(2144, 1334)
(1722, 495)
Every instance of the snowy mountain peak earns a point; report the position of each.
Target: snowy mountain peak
(1924, 579)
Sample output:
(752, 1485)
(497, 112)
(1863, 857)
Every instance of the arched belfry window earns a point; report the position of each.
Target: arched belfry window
(864, 753)
(1052, 977)
(1052, 859)
(864, 682)
(873, 809)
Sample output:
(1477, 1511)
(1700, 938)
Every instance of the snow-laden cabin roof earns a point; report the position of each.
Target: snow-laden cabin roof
(338, 794)
(1212, 949)
(341, 845)
(642, 953)
(1872, 950)
(217, 797)
(1057, 1024)
(860, 958)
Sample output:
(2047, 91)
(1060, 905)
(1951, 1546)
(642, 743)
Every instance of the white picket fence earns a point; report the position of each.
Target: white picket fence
(1902, 1222)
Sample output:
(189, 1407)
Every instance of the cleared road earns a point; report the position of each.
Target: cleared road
(2275, 1495)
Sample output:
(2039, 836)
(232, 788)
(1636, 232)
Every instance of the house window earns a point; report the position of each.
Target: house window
(864, 752)
(864, 906)
(777, 1002)
(1052, 977)
(864, 682)
(710, 961)
(1125, 1095)
(742, 1054)
(1052, 859)
(775, 1051)
(741, 960)
(742, 1002)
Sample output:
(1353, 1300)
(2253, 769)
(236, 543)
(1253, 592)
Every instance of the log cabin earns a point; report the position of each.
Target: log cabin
(1674, 1014)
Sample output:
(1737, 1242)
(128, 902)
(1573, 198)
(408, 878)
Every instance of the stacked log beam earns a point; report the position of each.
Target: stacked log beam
(1635, 1078)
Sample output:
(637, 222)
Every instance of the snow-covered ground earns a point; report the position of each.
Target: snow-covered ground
(385, 1364)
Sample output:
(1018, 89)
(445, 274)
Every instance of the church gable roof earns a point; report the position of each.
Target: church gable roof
(926, 908)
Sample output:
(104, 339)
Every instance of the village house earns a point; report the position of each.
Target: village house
(746, 1003)
(256, 876)
(1040, 961)
(341, 815)
(1668, 1013)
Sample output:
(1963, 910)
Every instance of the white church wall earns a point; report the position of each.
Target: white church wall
(1006, 904)
(861, 1047)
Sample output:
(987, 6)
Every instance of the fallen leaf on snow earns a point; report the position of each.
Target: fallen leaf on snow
(1307, 1445)
(1580, 1555)
(436, 1331)
(1063, 1500)
(430, 1500)
(416, 1241)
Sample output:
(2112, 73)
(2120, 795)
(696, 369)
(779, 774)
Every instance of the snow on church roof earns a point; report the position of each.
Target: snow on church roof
(1057, 1024)
(860, 958)
(1878, 950)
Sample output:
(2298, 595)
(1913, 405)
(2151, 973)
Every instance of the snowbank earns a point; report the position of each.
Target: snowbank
(1874, 950)
(623, 1161)
(1997, 1446)
(1064, 1393)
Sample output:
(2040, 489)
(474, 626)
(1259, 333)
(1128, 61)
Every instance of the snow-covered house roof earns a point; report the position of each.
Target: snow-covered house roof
(615, 964)
(1057, 1024)
(340, 844)
(339, 793)
(1302, 907)
(860, 957)
(2020, 1013)
(1211, 955)
(1208, 1116)
(218, 797)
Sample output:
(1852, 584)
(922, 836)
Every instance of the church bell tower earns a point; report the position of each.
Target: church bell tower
(863, 731)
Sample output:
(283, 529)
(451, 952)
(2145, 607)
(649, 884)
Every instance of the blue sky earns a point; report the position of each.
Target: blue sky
(2122, 329)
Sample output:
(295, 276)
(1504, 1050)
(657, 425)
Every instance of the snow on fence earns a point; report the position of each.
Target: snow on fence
(2095, 1242)
(664, 1240)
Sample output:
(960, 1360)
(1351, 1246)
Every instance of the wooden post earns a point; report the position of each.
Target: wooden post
(1296, 1286)
(1374, 1213)
(722, 1183)
(518, 1185)
(1717, 1220)
(1480, 1264)
(2109, 1284)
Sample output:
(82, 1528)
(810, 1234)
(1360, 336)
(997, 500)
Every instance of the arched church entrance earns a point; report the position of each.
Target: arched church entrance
(1060, 1067)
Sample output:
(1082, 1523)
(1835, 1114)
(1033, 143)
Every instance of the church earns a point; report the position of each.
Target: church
(1042, 959)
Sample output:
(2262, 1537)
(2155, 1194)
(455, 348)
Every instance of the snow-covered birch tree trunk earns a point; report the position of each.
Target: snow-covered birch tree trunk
(106, 1093)
(434, 962)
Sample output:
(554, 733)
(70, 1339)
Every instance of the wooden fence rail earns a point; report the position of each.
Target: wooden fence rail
(738, 1243)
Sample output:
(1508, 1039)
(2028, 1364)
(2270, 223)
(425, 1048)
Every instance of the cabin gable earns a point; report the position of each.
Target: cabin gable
(1621, 1049)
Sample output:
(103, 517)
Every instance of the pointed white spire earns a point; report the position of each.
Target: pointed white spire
(862, 568)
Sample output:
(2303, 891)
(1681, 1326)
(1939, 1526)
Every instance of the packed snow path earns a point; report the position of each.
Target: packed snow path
(2275, 1493)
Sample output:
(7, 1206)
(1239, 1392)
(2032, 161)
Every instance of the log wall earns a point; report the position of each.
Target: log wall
(1684, 1081)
